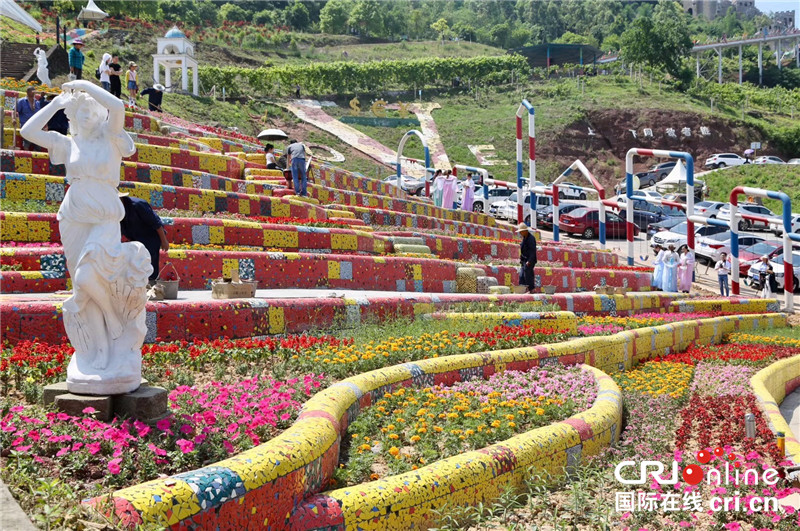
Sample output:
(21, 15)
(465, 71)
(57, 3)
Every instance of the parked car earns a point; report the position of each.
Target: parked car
(676, 198)
(724, 214)
(662, 226)
(750, 255)
(641, 204)
(708, 209)
(793, 161)
(723, 160)
(643, 219)
(768, 159)
(586, 222)
(655, 174)
(677, 235)
(708, 248)
(508, 209)
(544, 216)
(777, 228)
(777, 265)
(496, 193)
(569, 191)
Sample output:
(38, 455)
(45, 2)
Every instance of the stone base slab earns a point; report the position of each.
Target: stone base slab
(147, 403)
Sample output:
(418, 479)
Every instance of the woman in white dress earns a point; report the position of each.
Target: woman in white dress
(104, 317)
(469, 193)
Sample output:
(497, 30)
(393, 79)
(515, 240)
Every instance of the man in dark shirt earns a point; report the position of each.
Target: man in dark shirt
(154, 95)
(59, 122)
(113, 76)
(142, 225)
(527, 257)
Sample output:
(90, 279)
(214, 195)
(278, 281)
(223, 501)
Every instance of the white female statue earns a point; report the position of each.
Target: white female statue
(41, 70)
(105, 316)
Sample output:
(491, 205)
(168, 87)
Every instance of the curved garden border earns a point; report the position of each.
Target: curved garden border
(269, 485)
(771, 385)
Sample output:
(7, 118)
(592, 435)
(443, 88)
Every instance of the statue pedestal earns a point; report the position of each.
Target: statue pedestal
(147, 403)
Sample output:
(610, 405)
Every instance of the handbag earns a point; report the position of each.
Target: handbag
(97, 73)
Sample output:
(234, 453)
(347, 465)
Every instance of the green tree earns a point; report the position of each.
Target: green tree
(611, 43)
(367, 15)
(232, 13)
(266, 17)
(333, 17)
(661, 41)
(296, 16)
(572, 38)
(464, 31)
(441, 27)
(500, 34)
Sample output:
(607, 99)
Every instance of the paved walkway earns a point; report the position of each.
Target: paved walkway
(11, 515)
(790, 409)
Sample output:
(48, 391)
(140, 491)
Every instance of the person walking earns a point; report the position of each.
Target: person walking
(527, 258)
(105, 71)
(469, 193)
(130, 82)
(141, 224)
(114, 71)
(763, 268)
(154, 96)
(723, 269)
(450, 190)
(76, 59)
(296, 153)
(26, 108)
(685, 269)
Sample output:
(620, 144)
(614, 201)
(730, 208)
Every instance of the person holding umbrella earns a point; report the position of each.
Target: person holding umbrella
(747, 154)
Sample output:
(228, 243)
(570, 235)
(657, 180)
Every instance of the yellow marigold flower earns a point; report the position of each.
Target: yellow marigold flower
(394, 436)
(512, 425)
(437, 429)
(415, 438)
(540, 411)
(495, 424)
(394, 450)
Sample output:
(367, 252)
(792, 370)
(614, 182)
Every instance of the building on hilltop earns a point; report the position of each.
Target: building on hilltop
(712, 9)
(173, 51)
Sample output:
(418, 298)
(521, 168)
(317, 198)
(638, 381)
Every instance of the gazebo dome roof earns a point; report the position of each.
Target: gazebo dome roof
(175, 33)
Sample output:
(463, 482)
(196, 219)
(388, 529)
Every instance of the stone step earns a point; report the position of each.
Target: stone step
(407, 240)
(408, 248)
(499, 290)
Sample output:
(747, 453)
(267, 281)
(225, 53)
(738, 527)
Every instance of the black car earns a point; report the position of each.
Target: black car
(664, 210)
(643, 219)
(664, 225)
(544, 216)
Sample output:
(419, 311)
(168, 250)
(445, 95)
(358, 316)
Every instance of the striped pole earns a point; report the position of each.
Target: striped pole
(523, 107)
(788, 237)
(660, 153)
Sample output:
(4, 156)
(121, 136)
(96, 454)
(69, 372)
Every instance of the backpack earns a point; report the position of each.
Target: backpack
(97, 73)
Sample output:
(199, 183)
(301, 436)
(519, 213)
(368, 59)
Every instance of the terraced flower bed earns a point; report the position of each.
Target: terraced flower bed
(411, 427)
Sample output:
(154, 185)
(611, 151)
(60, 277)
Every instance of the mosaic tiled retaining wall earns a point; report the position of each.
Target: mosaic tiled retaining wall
(171, 141)
(39, 316)
(334, 177)
(727, 306)
(277, 484)
(374, 216)
(566, 322)
(771, 385)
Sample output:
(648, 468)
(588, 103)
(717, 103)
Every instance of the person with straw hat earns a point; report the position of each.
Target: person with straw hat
(141, 224)
(527, 258)
(154, 95)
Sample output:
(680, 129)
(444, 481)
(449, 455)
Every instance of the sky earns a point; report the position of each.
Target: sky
(780, 5)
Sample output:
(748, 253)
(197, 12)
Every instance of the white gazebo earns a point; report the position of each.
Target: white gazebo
(174, 50)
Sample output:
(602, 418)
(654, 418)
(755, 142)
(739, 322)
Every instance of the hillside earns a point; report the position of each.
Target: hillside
(768, 176)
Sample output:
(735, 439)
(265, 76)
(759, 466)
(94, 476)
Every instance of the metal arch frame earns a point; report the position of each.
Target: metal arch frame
(598, 189)
(788, 237)
(402, 145)
(663, 154)
(523, 107)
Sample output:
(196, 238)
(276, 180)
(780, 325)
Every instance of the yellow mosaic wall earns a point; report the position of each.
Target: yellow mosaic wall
(770, 385)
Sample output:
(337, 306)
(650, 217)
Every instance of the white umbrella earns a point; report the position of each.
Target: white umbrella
(92, 12)
(272, 134)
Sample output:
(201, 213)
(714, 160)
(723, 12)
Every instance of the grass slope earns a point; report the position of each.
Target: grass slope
(784, 178)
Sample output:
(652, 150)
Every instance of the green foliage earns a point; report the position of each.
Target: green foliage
(233, 13)
(368, 16)
(662, 41)
(267, 17)
(296, 16)
(441, 27)
(348, 77)
(333, 17)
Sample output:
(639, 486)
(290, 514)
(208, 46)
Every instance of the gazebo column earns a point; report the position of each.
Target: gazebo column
(156, 73)
(167, 75)
(184, 75)
(195, 86)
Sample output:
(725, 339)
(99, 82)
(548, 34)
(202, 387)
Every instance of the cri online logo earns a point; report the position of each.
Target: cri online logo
(693, 474)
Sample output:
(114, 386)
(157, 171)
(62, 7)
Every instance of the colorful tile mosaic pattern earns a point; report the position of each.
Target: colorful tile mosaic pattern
(282, 478)
(771, 385)
(727, 306)
(548, 321)
(39, 316)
